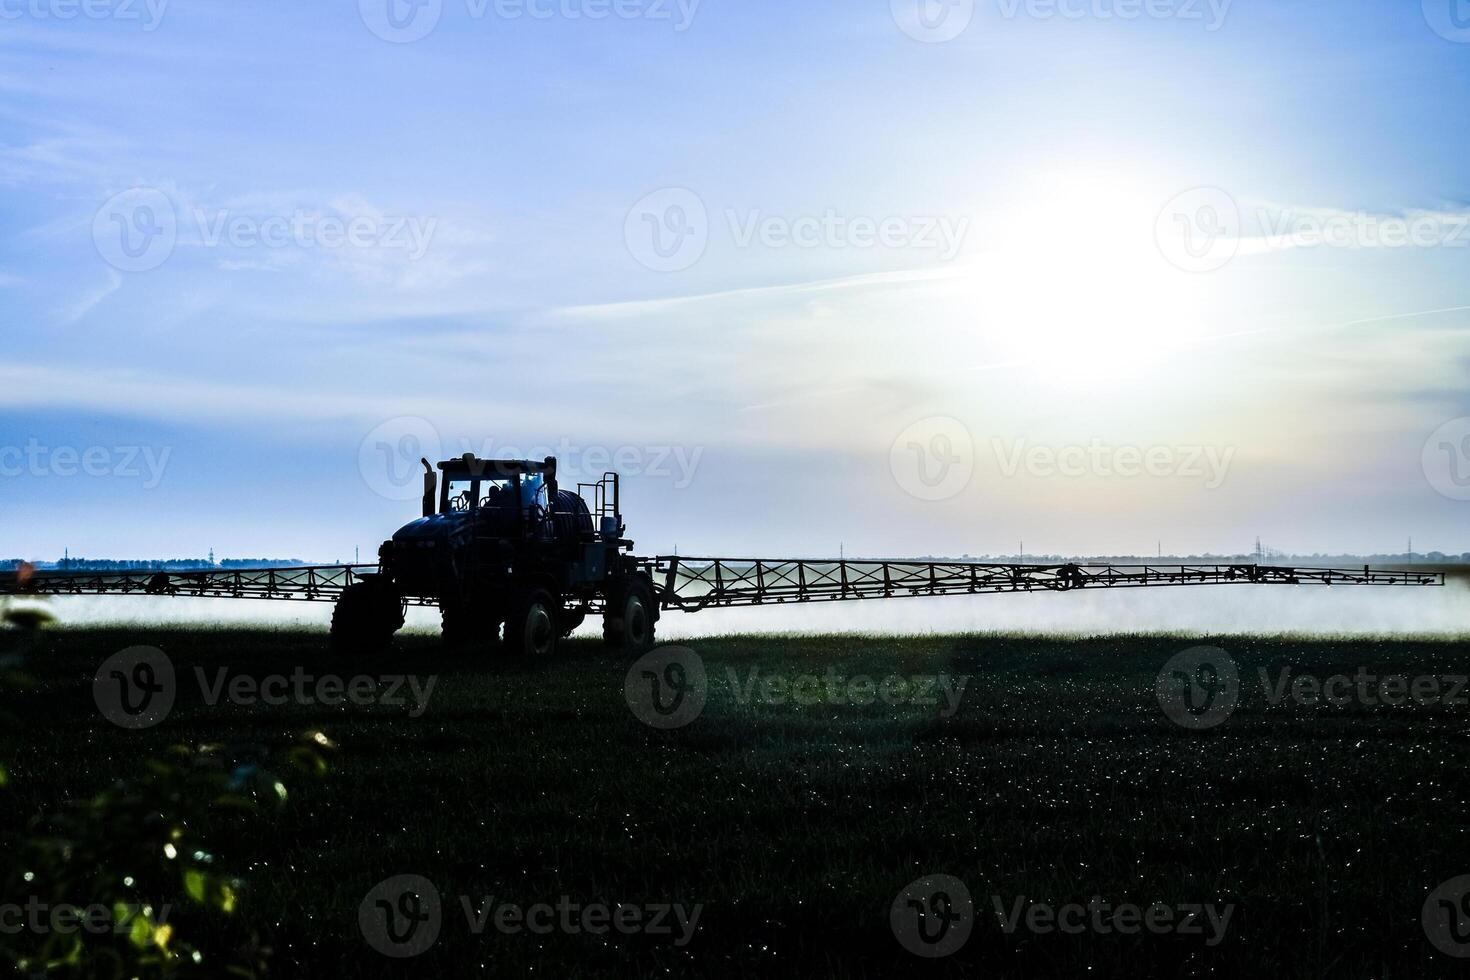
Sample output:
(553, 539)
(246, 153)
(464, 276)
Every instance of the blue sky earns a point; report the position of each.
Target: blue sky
(811, 273)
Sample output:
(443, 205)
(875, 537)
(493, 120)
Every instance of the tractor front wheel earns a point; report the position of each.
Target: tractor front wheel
(630, 623)
(532, 628)
(367, 615)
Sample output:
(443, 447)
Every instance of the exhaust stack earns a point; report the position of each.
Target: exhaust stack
(431, 490)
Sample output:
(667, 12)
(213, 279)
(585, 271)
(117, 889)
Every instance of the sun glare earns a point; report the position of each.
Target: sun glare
(1076, 289)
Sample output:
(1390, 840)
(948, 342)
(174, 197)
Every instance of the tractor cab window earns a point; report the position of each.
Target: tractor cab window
(499, 499)
(533, 491)
(497, 494)
(460, 495)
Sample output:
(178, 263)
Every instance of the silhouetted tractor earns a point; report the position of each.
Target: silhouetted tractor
(501, 546)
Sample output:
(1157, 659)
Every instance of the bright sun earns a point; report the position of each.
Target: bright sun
(1075, 287)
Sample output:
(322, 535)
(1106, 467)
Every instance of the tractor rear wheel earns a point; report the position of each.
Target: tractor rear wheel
(367, 615)
(532, 628)
(632, 628)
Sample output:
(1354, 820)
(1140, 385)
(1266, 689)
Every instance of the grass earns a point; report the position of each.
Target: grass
(795, 827)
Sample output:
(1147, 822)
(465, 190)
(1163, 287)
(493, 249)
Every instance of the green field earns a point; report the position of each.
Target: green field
(795, 826)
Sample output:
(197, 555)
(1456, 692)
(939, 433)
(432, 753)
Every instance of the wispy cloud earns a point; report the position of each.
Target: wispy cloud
(89, 300)
(640, 308)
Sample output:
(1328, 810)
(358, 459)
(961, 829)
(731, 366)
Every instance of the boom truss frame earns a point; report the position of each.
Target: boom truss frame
(693, 584)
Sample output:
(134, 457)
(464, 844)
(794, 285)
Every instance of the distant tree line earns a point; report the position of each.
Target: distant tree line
(151, 565)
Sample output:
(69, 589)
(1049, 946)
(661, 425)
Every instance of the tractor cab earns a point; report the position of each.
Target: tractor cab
(508, 498)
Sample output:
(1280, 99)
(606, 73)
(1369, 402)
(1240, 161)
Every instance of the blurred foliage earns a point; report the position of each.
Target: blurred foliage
(136, 854)
(137, 849)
